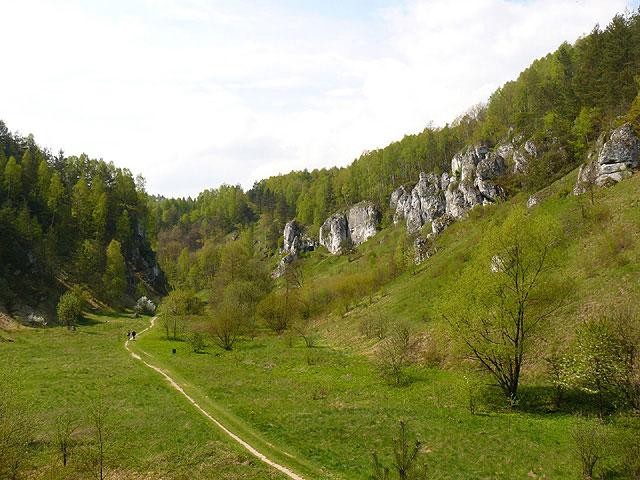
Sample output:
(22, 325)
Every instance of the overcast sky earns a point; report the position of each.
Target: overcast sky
(195, 93)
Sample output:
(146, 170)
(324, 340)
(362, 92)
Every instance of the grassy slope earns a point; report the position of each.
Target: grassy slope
(152, 432)
(328, 405)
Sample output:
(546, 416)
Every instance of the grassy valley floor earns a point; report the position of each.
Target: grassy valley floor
(151, 431)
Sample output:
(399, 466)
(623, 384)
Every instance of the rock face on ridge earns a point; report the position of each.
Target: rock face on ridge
(334, 233)
(440, 200)
(363, 220)
(295, 242)
(613, 160)
(342, 230)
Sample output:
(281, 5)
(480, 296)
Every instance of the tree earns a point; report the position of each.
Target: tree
(98, 415)
(406, 458)
(15, 433)
(13, 178)
(227, 324)
(590, 443)
(114, 279)
(65, 426)
(55, 196)
(395, 353)
(272, 309)
(604, 361)
(177, 305)
(505, 296)
(69, 308)
(82, 208)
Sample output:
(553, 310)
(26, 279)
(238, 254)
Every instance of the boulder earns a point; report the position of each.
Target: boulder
(363, 220)
(613, 160)
(423, 250)
(441, 223)
(295, 241)
(334, 233)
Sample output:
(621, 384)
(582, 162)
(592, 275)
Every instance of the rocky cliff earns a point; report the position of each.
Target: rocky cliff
(343, 230)
(440, 200)
(295, 242)
(614, 159)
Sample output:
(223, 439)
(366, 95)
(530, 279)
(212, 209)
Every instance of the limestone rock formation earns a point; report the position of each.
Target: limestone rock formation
(440, 200)
(613, 160)
(425, 203)
(334, 233)
(295, 242)
(518, 155)
(343, 230)
(363, 220)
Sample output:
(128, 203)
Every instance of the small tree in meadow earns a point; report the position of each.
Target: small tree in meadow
(395, 354)
(406, 459)
(69, 308)
(503, 298)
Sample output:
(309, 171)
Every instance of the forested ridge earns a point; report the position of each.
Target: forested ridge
(69, 221)
(562, 102)
(59, 214)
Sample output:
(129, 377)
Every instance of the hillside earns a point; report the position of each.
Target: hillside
(476, 284)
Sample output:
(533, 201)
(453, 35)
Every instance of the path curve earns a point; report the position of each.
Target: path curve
(235, 437)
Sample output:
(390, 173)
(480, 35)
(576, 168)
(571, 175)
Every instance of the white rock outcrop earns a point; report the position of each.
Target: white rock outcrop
(341, 231)
(440, 200)
(613, 160)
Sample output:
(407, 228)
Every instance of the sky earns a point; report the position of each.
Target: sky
(195, 93)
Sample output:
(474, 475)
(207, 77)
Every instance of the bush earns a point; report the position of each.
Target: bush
(395, 355)
(145, 305)
(196, 340)
(590, 442)
(69, 308)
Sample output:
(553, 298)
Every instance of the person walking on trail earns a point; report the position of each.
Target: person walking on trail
(133, 335)
(128, 334)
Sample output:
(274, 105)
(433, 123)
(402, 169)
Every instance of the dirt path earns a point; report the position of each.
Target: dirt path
(235, 437)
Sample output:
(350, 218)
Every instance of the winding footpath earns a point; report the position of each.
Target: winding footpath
(235, 437)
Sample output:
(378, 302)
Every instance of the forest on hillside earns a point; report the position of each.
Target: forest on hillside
(562, 102)
(69, 220)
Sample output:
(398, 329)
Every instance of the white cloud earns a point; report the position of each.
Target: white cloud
(195, 93)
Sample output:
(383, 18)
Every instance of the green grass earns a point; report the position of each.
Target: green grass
(333, 410)
(329, 405)
(152, 431)
(322, 411)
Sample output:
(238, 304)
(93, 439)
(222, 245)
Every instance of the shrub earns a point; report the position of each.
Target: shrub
(196, 340)
(395, 355)
(590, 441)
(69, 308)
(145, 305)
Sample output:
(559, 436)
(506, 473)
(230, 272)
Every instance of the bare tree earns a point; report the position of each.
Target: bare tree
(65, 426)
(395, 353)
(98, 417)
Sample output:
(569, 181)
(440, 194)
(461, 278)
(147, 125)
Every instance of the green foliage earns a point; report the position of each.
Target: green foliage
(114, 278)
(506, 295)
(59, 213)
(603, 361)
(406, 459)
(69, 308)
